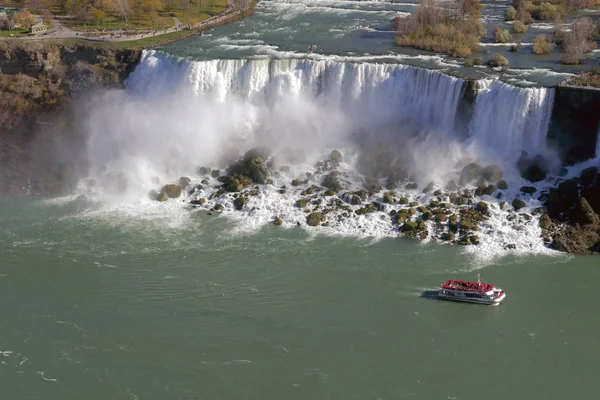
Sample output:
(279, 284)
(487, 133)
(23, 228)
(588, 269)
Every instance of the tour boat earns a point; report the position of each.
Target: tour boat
(471, 292)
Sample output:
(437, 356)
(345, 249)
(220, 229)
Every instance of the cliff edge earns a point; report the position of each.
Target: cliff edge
(39, 80)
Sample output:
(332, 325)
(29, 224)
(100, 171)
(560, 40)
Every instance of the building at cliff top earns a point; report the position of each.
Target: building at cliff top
(40, 27)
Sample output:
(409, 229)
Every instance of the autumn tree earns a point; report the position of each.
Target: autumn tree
(578, 41)
(25, 18)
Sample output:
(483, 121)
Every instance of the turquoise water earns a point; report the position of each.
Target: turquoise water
(97, 304)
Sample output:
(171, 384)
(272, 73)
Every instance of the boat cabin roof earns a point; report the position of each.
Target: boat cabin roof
(467, 286)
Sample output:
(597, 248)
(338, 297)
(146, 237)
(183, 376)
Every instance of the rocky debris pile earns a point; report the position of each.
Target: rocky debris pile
(457, 213)
(572, 221)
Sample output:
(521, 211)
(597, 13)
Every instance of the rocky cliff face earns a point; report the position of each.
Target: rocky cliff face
(575, 122)
(39, 80)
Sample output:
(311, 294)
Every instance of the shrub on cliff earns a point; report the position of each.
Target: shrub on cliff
(542, 45)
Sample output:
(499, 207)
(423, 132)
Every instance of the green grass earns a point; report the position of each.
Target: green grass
(197, 13)
(16, 32)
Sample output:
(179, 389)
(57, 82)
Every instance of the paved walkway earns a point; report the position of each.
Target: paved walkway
(61, 31)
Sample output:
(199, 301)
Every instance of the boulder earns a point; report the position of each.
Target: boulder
(528, 189)
(492, 173)
(184, 181)
(234, 187)
(388, 198)
(585, 214)
(331, 181)
(173, 191)
(482, 207)
(205, 182)
(202, 171)
(336, 156)
(258, 152)
(489, 190)
(403, 200)
(163, 196)
(533, 169)
(450, 236)
(277, 221)
(469, 173)
(351, 198)
(240, 202)
(301, 203)
(502, 185)
(409, 226)
(429, 187)
(218, 207)
(518, 204)
(315, 219)
(545, 221)
(215, 173)
(299, 182)
(588, 176)
(198, 202)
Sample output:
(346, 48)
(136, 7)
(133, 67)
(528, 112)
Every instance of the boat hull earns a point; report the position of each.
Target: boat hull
(488, 302)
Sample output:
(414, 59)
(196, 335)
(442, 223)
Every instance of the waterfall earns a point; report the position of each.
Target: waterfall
(506, 119)
(511, 119)
(367, 91)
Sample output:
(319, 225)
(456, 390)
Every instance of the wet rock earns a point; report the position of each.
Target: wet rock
(215, 173)
(270, 182)
(518, 204)
(545, 221)
(257, 152)
(492, 173)
(336, 156)
(585, 214)
(391, 186)
(411, 186)
(331, 181)
(299, 182)
(163, 196)
(315, 219)
(388, 198)
(234, 187)
(413, 204)
(429, 187)
(528, 189)
(480, 189)
(205, 182)
(482, 207)
(588, 176)
(202, 171)
(474, 239)
(301, 203)
(240, 202)
(469, 173)
(184, 181)
(218, 207)
(351, 198)
(533, 169)
(489, 190)
(173, 191)
(277, 221)
(329, 193)
(403, 200)
(409, 226)
(449, 236)
(502, 185)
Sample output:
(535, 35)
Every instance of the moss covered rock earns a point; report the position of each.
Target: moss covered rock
(518, 204)
(173, 191)
(315, 219)
(162, 196)
(240, 202)
(388, 198)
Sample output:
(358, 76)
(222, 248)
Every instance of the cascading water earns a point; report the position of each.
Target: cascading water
(510, 120)
(366, 92)
(506, 119)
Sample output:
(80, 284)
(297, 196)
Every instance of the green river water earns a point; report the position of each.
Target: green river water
(97, 305)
